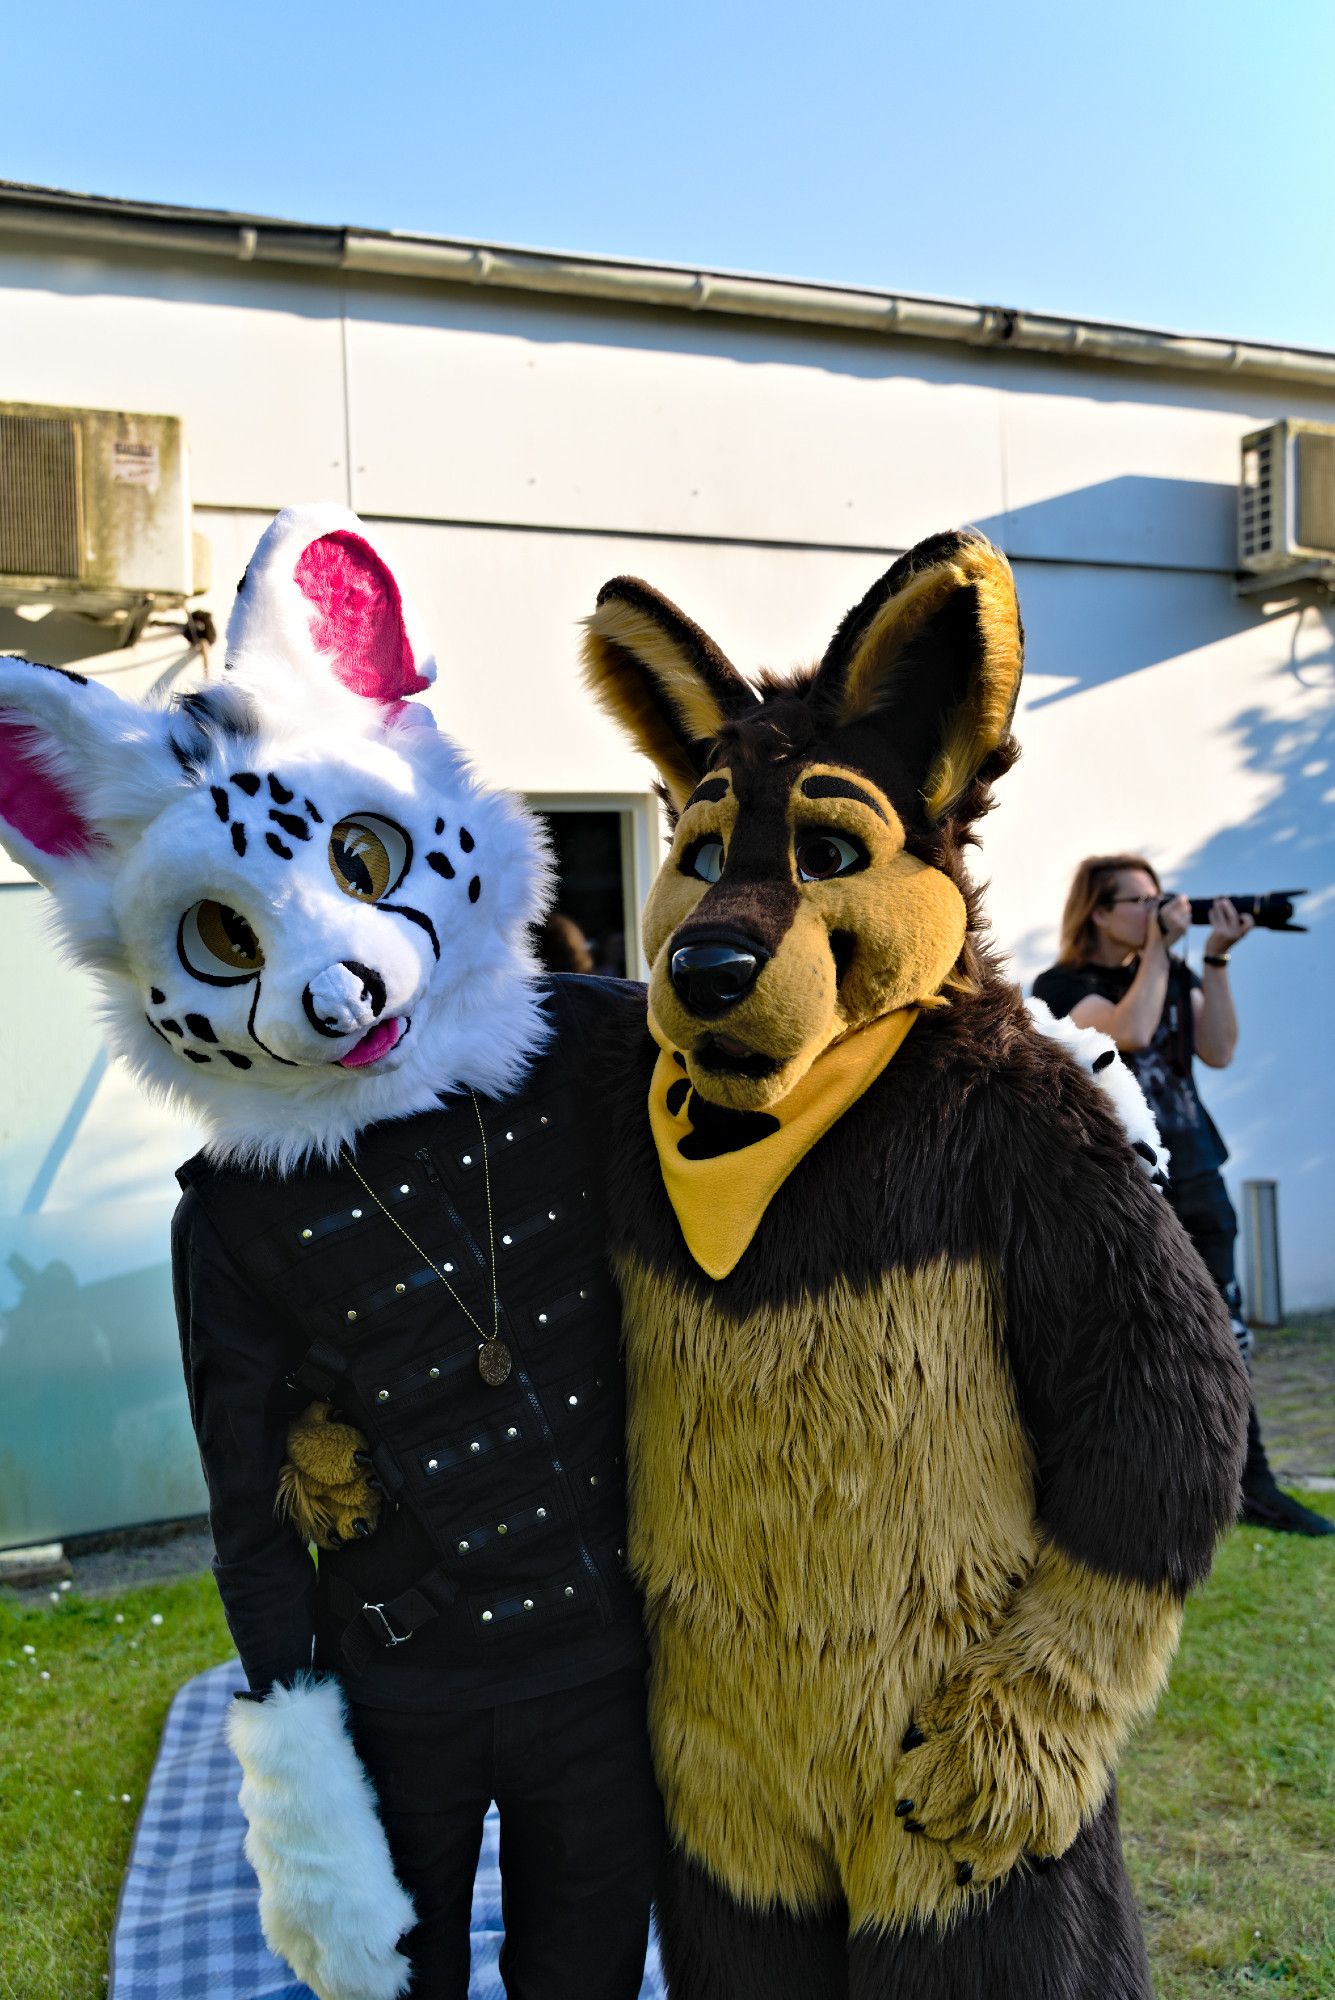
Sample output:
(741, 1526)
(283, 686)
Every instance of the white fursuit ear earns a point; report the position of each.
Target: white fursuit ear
(319, 607)
(1097, 1054)
(80, 770)
(330, 1902)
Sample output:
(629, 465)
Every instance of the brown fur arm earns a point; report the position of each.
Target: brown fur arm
(1129, 1379)
(1134, 1401)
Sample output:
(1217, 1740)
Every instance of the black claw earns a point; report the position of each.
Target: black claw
(913, 1826)
(361, 1458)
(334, 1539)
(333, 1416)
(360, 1527)
(913, 1736)
(903, 1806)
(375, 1485)
(964, 1873)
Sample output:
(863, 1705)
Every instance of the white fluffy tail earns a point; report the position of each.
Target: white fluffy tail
(1092, 1049)
(330, 1902)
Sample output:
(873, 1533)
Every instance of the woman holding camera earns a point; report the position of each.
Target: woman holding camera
(1116, 971)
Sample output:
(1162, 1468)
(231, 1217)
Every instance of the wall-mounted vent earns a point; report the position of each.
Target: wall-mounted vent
(41, 505)
(1286, 498)
(94, 508)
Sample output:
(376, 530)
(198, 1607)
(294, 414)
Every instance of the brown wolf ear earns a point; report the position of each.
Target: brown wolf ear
(935, 652)
(662, 679)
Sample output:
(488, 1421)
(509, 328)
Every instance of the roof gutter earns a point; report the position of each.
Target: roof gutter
(435, 260)
(827, 305)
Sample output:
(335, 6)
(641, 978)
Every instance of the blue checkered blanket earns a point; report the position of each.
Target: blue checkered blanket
(188, 1925)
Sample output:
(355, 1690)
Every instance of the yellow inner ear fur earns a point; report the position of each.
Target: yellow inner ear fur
(979, 722)
(617, 627)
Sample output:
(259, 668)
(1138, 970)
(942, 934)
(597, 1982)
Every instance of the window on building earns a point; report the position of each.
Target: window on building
(586, 931)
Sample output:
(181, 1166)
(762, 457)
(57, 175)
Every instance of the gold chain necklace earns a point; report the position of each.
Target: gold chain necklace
(494, 1360)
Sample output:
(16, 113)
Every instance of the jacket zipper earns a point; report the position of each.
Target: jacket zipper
(600, 1596)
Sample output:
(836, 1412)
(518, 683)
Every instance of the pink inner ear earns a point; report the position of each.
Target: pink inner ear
(32, 802)
(358, 617)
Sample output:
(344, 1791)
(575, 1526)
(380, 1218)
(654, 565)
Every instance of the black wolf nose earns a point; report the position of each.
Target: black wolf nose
(713, 974)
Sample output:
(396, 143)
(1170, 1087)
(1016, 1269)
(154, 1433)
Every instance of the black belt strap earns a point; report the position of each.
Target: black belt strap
(319, 1369)
(382, 1624)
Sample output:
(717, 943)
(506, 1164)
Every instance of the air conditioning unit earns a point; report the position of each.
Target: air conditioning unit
(1286, 497)
(94, 509)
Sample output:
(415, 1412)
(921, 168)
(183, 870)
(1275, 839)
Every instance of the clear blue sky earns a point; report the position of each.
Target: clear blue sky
(1169, 164)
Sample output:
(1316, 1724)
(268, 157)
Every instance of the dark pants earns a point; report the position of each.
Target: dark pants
(581, 1836)
(1206, 1213)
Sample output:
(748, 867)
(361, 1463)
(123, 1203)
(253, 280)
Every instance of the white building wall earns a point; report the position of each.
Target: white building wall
(523, 450)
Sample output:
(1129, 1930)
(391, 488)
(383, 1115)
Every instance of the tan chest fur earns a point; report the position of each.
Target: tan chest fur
(828, 1504)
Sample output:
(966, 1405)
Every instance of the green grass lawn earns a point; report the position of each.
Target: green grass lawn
(1227, 1797)
(75, 1753)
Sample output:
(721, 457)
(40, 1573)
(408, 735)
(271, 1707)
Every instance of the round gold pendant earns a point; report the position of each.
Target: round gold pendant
(494, 1363)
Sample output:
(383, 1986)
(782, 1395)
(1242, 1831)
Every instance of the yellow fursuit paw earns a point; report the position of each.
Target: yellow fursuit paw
(985, 1788)
(326, 1487)
(1017, 1749)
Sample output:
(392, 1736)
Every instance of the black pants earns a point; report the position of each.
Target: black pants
(581, 1836)
(1206, 1213)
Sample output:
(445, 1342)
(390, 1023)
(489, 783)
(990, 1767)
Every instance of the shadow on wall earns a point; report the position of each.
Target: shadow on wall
(1139, 520)
(1282, 984)
(848, 351)
(1294, 835)
(1087, 628)
(321, 293)
(64, 638)
(1276, 1103)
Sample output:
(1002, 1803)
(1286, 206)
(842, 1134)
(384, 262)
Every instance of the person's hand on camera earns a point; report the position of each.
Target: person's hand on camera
(1175, 918)
(1226, 927)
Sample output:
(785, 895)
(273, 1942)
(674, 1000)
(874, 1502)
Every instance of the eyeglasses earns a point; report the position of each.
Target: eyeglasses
(1139, 902)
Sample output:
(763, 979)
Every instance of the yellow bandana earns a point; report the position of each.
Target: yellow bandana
(719, 1201)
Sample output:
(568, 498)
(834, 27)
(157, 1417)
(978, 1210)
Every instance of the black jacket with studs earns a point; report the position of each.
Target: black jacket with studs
(498, 1569)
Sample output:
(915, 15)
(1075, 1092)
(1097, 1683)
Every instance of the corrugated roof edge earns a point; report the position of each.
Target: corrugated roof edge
(451, 260)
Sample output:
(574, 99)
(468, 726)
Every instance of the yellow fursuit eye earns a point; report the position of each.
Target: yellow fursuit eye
(216, 943)
(368, 856)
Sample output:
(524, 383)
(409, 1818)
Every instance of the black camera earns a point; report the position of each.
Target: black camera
(1270, 912)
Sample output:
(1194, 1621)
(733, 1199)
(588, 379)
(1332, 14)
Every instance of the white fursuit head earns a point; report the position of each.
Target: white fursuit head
(305, 912)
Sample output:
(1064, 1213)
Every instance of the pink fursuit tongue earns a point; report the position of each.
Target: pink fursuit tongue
(378, 1042)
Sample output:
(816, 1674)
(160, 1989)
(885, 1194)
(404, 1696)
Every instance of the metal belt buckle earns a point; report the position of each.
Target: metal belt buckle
(391, 1638)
